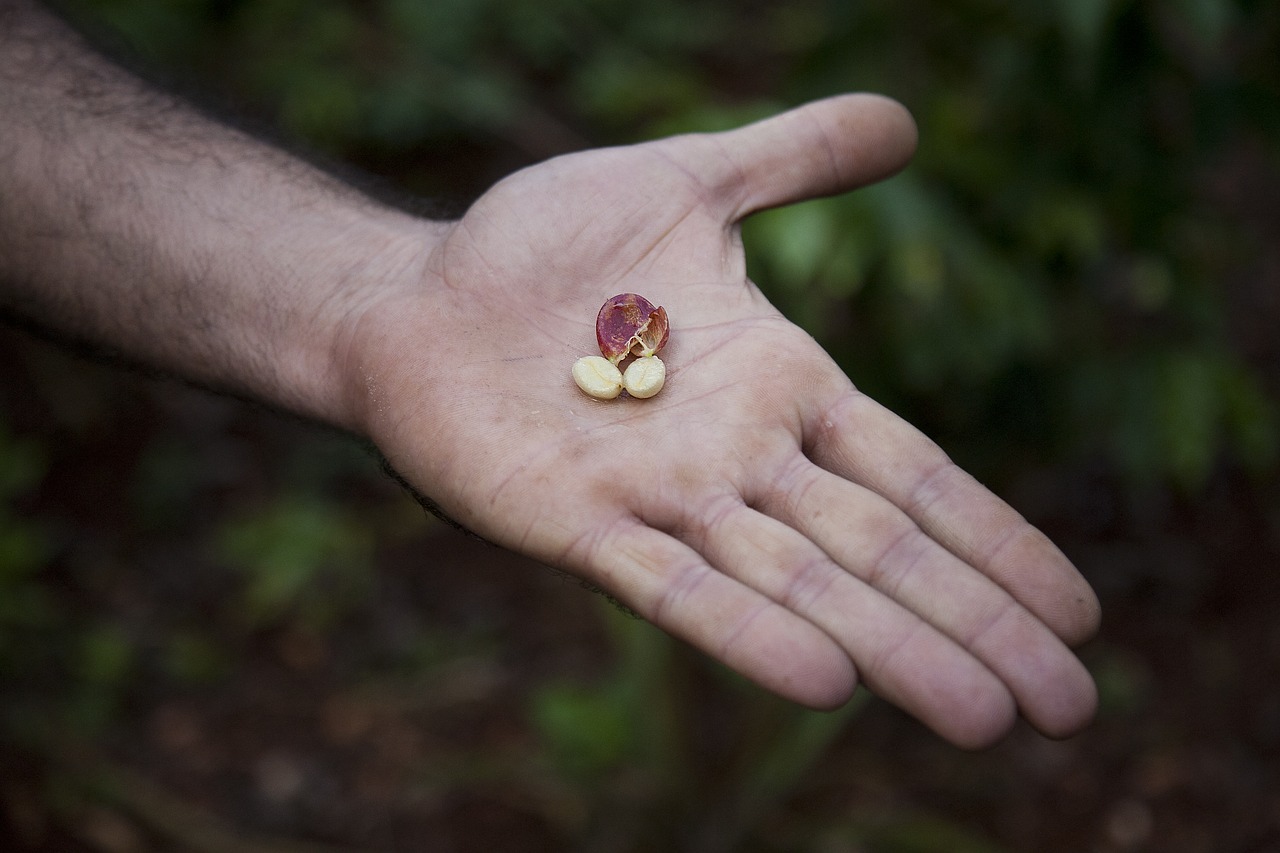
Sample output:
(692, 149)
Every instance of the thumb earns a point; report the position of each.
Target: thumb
(822, 148)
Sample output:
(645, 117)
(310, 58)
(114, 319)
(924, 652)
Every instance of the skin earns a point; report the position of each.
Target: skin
(760, 507)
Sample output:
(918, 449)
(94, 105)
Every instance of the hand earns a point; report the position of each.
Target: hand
(759, 507)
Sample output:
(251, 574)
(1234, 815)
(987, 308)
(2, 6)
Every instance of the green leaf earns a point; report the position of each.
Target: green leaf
(301, 555)
(795, 242)
(1084, 23)
(106, 655)
(1190, 413)
(194, 658)
(23, 462)
(588, 730)
(1252, 420)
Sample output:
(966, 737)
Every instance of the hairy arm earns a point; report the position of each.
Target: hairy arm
(133, 223)
(761, 507)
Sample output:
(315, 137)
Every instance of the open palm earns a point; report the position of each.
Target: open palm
(760, 507)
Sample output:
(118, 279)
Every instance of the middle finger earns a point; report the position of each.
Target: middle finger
(878, 543)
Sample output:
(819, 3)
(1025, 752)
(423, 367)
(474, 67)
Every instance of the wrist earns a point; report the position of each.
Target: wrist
(178, 243)
(336, 368)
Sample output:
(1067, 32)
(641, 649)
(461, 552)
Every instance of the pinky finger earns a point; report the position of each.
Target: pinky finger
(672, 586)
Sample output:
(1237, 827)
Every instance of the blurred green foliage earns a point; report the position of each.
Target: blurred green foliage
(24, 546)
(628, 750)
(26, 610)
(624, 720)
(303, 558)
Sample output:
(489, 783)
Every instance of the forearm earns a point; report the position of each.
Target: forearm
(132, 222)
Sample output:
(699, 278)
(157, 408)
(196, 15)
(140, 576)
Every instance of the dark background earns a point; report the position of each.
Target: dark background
(224, 630)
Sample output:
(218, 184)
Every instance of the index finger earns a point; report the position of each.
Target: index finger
(862, 441)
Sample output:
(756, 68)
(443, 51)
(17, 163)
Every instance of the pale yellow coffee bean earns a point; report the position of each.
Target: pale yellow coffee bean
(645, 376)
(598, 377)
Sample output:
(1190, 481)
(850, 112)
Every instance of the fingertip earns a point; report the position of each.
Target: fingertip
(828, 686)
(1045, 580)
(821, 148)
(1084, 620)
(829, 691)
(948, 690)
(795, 660)
(896, 128)
(672, 586)
(981, 722)
(1072, 709)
